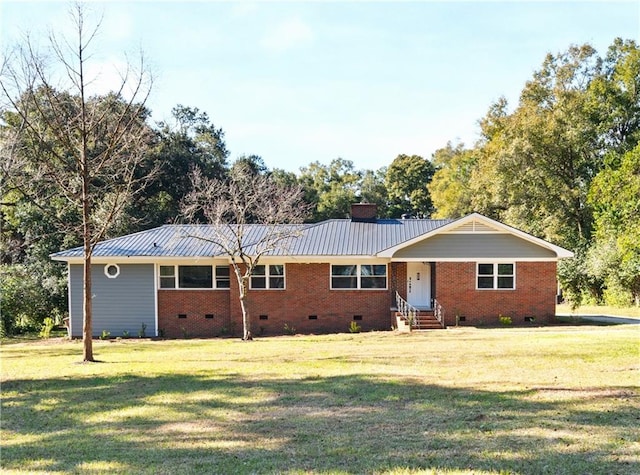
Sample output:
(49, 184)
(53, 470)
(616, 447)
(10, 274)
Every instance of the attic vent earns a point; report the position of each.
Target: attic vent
(364, 212)
(474, 227)
(112, 271)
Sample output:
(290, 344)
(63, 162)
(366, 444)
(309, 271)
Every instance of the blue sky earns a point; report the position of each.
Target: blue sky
(297, 82)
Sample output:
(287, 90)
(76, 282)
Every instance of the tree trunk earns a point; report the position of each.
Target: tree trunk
(246, 320)
(87, 331)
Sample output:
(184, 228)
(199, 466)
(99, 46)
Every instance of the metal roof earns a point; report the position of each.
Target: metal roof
(335, 237)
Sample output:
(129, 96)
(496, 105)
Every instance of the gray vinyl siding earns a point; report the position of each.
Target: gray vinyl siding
(475, 246)
(119, 304)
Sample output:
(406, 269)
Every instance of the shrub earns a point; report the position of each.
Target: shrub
(354, 327)
(47, 326)
(105, 335)
(27, 298)
(504, 320)
(143, 331)
(289, 330)
(616, 295)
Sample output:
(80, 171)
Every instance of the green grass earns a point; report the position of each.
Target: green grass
(631, 312)
(537, 400)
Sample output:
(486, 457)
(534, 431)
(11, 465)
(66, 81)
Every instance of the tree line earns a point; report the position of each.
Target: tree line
(562, 164)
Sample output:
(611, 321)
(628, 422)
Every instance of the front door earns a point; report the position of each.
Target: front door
(419, 284)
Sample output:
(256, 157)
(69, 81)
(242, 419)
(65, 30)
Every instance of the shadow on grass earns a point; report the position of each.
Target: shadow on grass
(183, 423)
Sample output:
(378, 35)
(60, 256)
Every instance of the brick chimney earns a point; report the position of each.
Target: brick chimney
(364, 212)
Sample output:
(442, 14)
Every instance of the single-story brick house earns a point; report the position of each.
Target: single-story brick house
(335, 272)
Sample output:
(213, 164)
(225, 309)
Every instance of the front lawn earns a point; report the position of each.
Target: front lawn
(629, 312)
(528, 401)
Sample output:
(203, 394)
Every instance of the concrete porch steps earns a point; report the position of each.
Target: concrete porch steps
(425, 320)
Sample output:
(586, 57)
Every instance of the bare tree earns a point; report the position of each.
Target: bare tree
(250, 216)
(84, 147)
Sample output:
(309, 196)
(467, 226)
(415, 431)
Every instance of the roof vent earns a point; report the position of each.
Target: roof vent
(364, 212)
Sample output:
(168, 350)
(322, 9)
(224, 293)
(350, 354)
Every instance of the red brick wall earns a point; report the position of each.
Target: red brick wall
(195, 304)
(398, 280)
(307, 293)
(535, 294)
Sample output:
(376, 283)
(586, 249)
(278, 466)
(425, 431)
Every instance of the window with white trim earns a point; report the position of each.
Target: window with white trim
(496, 275)
(268, 277)
(359, 276)
(223, 277)
(194, 277)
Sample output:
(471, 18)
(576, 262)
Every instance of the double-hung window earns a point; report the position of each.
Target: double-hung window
(194, 277)
(359, 276)
(496, 275)
(268, 277)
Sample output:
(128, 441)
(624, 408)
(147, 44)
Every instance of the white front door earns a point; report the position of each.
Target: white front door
(419, 284)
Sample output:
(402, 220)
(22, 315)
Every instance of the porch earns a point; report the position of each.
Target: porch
(409, 318)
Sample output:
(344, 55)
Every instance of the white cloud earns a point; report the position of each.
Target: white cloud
(289, 34)
(103, 77)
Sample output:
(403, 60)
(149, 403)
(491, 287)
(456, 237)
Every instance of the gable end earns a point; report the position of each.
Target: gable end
(471, 246)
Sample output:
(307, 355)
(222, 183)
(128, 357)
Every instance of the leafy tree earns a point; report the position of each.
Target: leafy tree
(189, 141)
(28, 295)
(547, 153)
(284, 178)
(232, 207)
(407, 181)
(331, 188)
(84, 148)
(615, 196)
(615, 98)
(254, 164)
(374, 190)
(556, 165)
(451, 186)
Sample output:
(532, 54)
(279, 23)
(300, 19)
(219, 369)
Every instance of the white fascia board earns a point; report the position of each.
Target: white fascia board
(143, 260)
(560, 252)
(354, 259)
(476, 259)
(175, 260)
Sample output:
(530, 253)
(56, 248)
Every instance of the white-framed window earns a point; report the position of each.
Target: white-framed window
(194, 277)
(268, 277)
(358, 276)
(496, 275)
(112, 271)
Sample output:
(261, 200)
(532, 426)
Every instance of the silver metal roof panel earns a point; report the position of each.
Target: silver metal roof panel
(336, 237)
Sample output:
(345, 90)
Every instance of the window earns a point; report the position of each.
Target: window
(194, 277)
(360, 276)
(268, 277)
(112, 271)
(496, 276)
(223, 280)
(373, 276)
(167, 277)
(344, 277)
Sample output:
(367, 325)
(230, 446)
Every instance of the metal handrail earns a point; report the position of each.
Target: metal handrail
(408, 311)
(438, 312)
